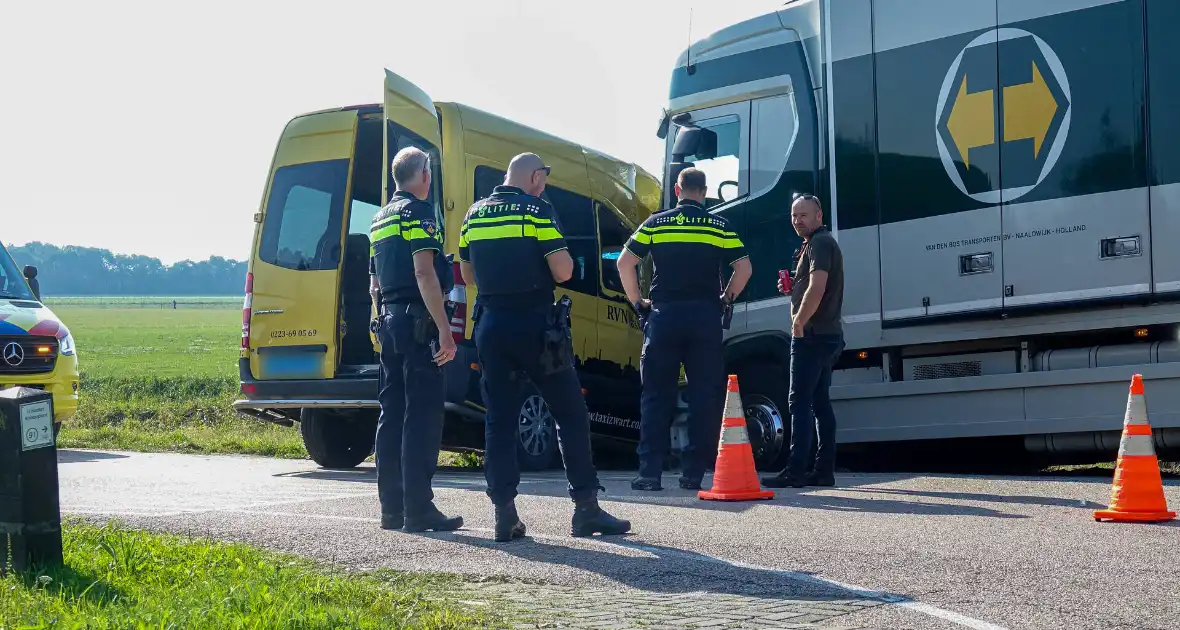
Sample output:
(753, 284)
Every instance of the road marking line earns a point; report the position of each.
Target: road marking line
(904, 602)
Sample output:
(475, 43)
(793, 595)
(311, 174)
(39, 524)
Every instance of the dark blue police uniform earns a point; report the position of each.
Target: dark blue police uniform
(689, 248)
(520, 333)
(409, 430)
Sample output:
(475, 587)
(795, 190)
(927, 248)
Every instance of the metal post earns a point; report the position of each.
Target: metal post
(30, 507)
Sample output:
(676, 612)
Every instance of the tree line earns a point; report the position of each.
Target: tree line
(72, 270)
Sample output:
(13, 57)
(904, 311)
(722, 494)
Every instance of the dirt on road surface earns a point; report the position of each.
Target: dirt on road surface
(880, 551)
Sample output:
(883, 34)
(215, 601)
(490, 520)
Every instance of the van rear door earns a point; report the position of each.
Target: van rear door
(295, 273)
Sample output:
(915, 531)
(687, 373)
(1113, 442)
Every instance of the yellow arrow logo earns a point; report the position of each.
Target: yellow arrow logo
(972, 122)
(1029, 109)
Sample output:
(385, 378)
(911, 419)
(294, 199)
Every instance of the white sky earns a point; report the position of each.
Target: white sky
(148, 127)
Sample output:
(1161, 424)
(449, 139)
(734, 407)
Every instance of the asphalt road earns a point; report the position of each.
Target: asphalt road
(935, 552)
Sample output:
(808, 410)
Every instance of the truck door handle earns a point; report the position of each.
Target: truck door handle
(970, 264)
(1119, 247)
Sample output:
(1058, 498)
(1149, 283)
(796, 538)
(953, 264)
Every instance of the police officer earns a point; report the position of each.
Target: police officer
(410, 275)
(682, 324)
(512, 249)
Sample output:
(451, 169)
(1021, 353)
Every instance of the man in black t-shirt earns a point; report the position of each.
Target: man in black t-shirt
(817, 338)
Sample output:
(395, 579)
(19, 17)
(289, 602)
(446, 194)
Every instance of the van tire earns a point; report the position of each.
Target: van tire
(536, 444)
(338, 439)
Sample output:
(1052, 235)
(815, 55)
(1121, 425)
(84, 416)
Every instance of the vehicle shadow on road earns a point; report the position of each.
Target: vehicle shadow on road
(68, 456)
(671, 571)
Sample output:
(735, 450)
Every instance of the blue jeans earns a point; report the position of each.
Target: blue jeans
(812, 357)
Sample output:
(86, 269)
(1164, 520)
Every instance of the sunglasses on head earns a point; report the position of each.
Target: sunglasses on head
(546, 169)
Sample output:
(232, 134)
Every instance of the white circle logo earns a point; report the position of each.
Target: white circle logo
(1022, 112)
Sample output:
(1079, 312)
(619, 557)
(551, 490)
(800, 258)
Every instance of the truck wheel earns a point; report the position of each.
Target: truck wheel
(764, 387)
(337, 439)
(536, 447)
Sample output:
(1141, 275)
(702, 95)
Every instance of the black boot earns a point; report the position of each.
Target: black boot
(782, 480)
(508, 524)
(432, 519)
(589, 518)
(392, 521)
(821, 479)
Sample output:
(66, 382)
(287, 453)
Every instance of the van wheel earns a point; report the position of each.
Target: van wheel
(536, 446)
(764, 387)
(337, 439)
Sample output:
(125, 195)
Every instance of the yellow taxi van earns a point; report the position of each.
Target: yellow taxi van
(307, 355)
(36, 348)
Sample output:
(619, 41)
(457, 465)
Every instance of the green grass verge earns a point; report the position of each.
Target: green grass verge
(161, 380)
(119, 578)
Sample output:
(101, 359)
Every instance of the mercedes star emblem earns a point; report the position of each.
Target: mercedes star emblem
(13, 354)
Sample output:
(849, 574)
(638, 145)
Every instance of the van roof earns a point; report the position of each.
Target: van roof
(632, 189)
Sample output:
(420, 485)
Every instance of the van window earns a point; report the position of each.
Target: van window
(614, 234)
(12, 279)
(575, 218)
(486, 179)
(304, 213)
(575, 213)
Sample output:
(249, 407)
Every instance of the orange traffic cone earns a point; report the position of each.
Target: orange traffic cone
(735, 478)
(1137, 495)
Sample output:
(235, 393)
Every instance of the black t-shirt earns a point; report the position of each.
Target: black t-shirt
(401, 229)
(820, 253)
(506, 237)
(689, 248)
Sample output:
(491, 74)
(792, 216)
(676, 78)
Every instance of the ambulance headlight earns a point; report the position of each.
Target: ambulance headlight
(65, 345)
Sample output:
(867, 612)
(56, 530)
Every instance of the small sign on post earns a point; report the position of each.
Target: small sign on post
(30, 507)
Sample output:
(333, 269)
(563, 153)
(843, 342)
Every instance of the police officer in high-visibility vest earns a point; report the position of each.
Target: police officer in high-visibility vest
(682, 323)
(512, 249)
(409, 277)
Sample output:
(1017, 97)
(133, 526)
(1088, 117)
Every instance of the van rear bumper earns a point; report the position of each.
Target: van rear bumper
(346, 393)
(340, 392)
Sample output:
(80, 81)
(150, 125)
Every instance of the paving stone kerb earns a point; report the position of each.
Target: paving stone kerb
(549, 606)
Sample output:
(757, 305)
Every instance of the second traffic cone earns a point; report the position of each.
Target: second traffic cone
(734, 478)
(1137, 495)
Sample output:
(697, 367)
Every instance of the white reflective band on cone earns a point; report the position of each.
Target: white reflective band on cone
(734, 435)
(1136, 410)
(1136, 445)
(733, 405)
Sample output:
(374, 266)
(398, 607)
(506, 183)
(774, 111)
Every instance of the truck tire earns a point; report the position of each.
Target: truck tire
(536, 446)
(338, 439)
(764, 386)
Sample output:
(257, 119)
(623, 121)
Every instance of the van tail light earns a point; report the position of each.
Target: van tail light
(459, 297)
(247, 305)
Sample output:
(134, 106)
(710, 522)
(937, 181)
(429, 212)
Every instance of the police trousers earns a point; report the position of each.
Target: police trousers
(676, 333)
(511, 347)
(409, 429)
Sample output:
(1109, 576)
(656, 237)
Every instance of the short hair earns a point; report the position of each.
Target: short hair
(808, 197)
(692, 179)
(407, 163)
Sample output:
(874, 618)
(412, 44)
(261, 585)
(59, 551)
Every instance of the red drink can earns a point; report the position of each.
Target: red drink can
(784, 276)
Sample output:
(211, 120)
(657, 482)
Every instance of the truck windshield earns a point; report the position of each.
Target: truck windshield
(12, 281)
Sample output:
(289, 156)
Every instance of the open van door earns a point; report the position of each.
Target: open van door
(410, 120)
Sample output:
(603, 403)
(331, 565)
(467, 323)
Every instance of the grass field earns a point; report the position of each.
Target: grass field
(156, 378)
(119, 578)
